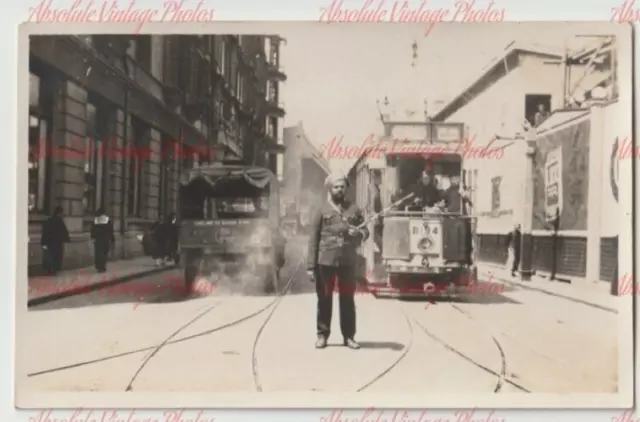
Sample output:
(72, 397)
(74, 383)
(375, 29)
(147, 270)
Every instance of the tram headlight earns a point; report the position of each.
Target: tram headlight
(425, 244)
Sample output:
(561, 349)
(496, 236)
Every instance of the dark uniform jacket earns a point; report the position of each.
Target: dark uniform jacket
(514, 239)
(429, 194)
(329, 242)
(54, 232)
(102, 231)
(453, 200)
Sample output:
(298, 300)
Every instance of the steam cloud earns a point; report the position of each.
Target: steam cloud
(244, 275)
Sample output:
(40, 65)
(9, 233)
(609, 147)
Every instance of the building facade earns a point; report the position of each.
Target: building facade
(115, 119)
(304, 169)
(513, 87)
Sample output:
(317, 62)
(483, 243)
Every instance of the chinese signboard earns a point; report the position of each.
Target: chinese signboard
(448, 132)
(553, 183)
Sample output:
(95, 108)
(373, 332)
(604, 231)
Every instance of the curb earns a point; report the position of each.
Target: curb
(547, 292)
(96, 286)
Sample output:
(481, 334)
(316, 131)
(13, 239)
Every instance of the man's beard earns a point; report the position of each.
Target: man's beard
(337, 197)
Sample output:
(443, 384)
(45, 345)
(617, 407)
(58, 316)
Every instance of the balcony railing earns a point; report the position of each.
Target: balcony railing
(275, 109)
(144, 78)
(276, 73)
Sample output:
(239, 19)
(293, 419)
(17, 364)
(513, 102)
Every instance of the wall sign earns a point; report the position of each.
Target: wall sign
(553, 183)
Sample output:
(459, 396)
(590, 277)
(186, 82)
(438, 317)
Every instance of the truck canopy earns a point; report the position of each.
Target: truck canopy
(221, 179)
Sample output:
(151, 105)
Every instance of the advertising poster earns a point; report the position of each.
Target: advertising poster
(553, 183)
(561, 177)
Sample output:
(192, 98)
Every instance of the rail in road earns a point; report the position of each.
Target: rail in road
(414, 326)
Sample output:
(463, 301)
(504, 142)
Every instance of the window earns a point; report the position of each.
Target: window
(167, 160)
(136, 162)
(223, 57)
(240, 88)
(241, 206)
(34, 90)
(143, 51)
(39, 134)
(537, 108)
(267, 47)
(94, 160)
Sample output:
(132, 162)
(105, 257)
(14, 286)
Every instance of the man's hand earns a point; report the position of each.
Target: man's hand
(312, 276)
(45, 247)
(353, 231)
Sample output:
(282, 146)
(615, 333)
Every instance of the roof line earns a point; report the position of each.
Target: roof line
(511, 48)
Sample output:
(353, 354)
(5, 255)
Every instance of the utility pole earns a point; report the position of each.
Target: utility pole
(526, 245)
(427, 123)
(564, 63)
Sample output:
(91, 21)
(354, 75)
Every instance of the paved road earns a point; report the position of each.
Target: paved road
(509, 341)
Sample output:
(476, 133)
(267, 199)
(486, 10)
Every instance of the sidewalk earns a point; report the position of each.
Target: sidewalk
(44, 289)
(595, 296)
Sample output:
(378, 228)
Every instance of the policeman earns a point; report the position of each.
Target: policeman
(333, 240)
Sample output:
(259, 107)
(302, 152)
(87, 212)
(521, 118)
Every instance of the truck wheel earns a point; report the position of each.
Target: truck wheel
(271, 280)
(190, 274)
(191, 262)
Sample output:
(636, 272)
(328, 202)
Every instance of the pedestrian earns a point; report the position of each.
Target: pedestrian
(54, 236)
(426, 191)
(457, 201)
(171, 233)
(333, 240)
(156, 238)
(103, 237)
(514, 245)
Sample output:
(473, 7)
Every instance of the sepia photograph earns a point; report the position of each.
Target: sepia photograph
(301, 214)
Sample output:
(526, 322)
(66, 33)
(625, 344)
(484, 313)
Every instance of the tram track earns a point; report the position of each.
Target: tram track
(254, 347)
(153, 350)
(271, 308)
(396, 362)
(272, 305)
(501, 375)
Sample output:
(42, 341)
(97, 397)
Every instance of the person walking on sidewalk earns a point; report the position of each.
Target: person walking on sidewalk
(157, 240)
(103, 237)
(514, 244)
(333, 240)
(54, 236)
(169, 241)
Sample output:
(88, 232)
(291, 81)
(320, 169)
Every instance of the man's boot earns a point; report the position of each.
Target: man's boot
(351, 343)
(321, 342)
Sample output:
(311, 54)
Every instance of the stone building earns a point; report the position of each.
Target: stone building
(114, 119)
(304, 170)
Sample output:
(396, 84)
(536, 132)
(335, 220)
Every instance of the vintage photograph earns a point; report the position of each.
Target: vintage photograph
(347, 215)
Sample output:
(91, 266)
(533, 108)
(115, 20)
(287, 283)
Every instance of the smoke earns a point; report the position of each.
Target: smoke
(248, 272)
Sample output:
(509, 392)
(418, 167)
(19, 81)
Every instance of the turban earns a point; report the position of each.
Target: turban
(334, 178)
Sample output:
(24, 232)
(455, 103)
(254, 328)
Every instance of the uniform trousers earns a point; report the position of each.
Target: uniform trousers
(327, 280)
